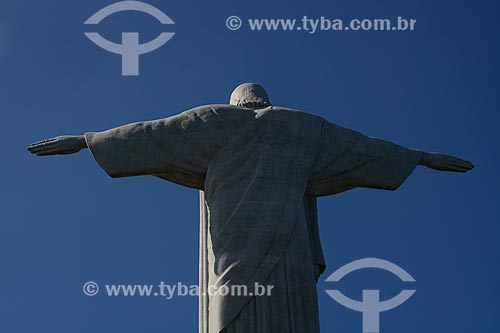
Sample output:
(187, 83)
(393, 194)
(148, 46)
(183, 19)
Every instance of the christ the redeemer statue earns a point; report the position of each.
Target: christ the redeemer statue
(259, 169)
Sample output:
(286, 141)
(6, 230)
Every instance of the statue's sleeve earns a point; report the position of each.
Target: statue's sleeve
(347, 159)
(162, 148)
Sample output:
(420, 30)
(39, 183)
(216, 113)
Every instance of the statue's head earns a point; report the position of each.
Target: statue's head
(250, 95)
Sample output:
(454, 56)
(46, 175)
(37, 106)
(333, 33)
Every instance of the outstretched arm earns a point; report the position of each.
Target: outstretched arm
(347, 159)
(177, 148)
(443, 162)
(61, 145)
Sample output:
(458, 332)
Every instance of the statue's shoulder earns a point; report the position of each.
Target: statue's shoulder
(227, 112)
(284, 112)
(217, 110)
(216, 113)
(282, 109)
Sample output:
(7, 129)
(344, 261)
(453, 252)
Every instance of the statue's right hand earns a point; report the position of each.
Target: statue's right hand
(61, 145)
(443, 162)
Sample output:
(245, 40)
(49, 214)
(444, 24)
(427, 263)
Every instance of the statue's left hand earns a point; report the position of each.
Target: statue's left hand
(61, 145)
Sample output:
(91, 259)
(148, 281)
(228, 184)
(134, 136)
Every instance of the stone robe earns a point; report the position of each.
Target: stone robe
(259, 173)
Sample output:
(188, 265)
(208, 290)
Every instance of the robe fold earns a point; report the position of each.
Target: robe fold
(259, 173)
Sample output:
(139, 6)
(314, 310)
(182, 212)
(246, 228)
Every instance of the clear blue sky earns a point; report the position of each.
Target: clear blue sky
(64, 221)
